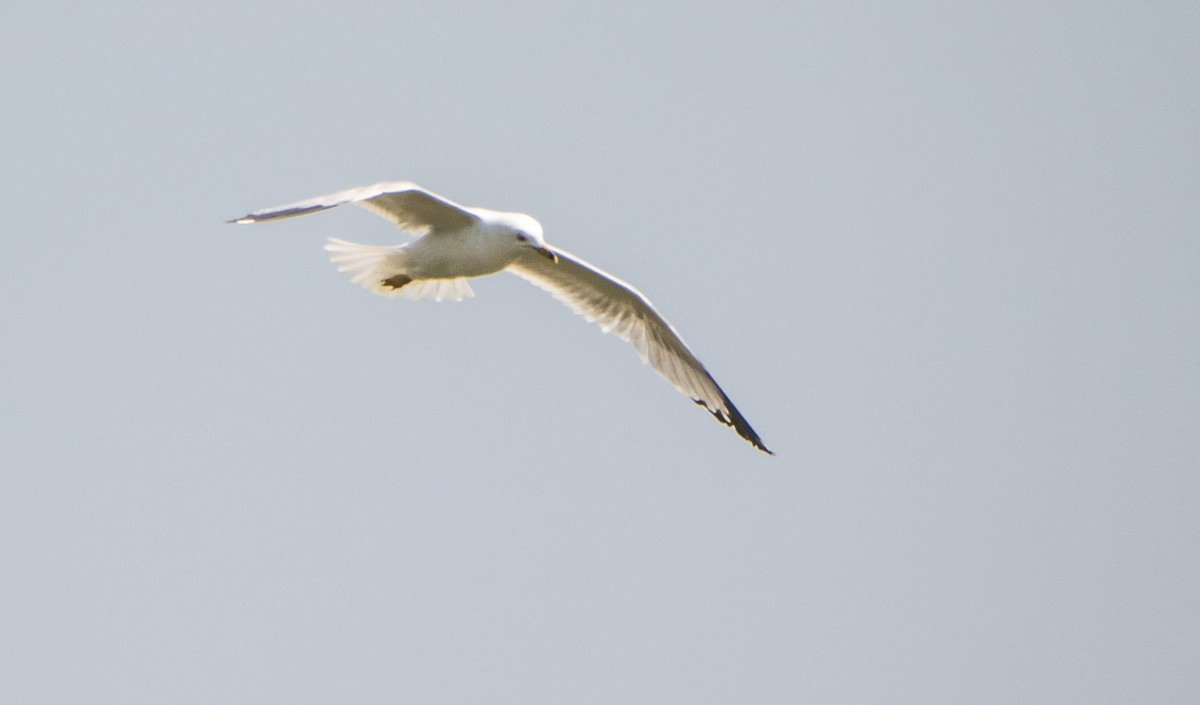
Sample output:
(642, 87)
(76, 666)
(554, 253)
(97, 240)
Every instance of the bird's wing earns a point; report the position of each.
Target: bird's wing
(407, 205)
(620, 309)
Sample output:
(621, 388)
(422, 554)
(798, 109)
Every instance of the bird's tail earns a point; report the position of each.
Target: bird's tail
(382, 270)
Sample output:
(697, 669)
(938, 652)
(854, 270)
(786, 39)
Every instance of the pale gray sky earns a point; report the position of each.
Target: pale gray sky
(943, 256)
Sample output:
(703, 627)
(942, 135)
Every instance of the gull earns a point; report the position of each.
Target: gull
(455, 243)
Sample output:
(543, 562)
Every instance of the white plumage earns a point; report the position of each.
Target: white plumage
(455, 243)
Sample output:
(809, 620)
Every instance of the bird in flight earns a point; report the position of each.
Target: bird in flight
(455, 243)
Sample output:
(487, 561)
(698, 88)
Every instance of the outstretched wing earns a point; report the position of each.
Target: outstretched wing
(409, 206)
(620, 309)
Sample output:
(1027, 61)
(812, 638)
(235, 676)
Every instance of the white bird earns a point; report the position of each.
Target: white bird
(455, 243)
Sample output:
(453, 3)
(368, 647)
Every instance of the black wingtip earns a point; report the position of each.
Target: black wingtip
(737, 422)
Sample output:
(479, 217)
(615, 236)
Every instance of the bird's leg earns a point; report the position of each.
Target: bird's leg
(396, 281)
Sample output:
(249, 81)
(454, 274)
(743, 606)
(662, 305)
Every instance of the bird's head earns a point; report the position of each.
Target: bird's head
(527, 233)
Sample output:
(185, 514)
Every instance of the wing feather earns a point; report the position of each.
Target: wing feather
(409, 206)
(618, 308)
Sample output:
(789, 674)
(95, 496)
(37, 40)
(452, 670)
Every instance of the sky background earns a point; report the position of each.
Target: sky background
(944, 256)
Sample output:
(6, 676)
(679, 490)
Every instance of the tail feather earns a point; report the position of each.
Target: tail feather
(369, 265)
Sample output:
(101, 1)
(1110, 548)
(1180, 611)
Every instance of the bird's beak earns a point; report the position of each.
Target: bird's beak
(547, 253)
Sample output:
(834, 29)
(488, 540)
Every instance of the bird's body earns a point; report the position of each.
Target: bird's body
(470, 252)
(456, 243)
(481, 249)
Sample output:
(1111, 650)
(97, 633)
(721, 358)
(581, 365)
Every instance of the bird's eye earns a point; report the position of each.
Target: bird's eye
(521, 238)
